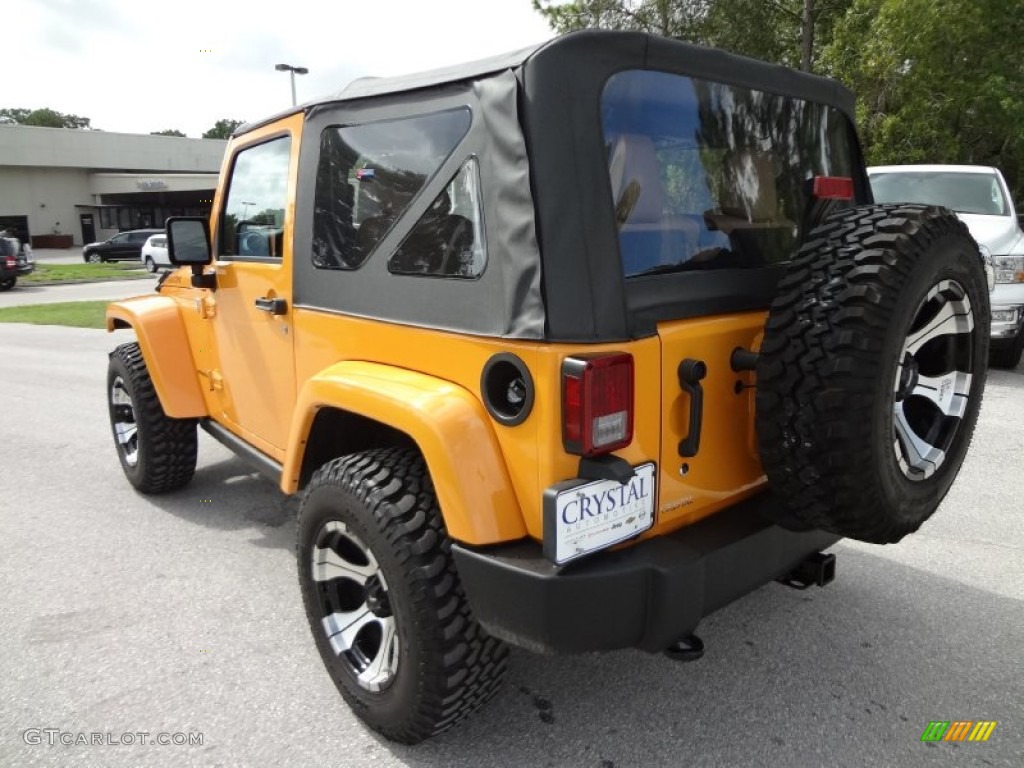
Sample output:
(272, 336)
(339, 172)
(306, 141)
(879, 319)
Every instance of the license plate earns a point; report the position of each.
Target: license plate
(580, 518)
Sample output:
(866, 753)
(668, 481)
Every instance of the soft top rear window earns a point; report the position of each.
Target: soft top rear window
(706, 175)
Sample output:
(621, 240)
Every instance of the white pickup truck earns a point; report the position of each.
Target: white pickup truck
(980, 197)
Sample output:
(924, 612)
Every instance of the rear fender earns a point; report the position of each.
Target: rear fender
(160, 329)
(447, 423)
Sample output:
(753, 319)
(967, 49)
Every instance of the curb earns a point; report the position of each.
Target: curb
(118, 279)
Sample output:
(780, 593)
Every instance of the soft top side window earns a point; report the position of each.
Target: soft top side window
(448, 240)
(368, 175)
(252, 222)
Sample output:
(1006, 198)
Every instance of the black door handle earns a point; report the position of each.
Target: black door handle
(690, 374)
(273, 306)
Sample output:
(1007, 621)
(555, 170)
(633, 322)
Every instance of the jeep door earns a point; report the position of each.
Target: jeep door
(252, 322)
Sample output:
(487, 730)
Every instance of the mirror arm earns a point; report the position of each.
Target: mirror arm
(202, 280)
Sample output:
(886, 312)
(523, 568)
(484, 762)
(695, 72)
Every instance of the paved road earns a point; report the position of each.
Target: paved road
(26, 293)
(181, 613)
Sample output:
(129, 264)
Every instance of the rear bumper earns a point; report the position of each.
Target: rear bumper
(646, 596)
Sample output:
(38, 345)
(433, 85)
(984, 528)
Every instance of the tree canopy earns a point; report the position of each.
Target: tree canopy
(936, 80)
(222, 129)
(168, 132)
(44, 117)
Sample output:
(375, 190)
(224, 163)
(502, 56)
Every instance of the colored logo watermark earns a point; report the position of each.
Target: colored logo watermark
(958, 730)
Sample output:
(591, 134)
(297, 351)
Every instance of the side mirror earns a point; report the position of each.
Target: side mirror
(188, 244)
(188, 241)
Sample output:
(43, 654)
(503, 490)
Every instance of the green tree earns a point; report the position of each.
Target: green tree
(937, 81)
(790, 32)
(45, 117)
(168, 132)
(681, 19)
(222, 129)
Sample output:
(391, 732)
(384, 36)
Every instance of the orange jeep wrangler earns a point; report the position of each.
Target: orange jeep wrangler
(564, 349)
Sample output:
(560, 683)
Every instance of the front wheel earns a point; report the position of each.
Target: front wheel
(93, 258)
(157, 453)
(384, 602)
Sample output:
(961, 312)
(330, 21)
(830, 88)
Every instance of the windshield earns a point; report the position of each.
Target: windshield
(979, 193)
(707, 175)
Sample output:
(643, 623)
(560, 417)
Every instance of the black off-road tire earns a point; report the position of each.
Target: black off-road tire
(837, 337)
(447, 666)
(166, 448)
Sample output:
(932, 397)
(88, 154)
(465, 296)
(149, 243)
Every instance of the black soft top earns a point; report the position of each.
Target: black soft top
(556, 272)
(576, 51)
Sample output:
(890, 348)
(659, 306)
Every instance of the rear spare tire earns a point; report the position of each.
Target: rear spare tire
(872, 370)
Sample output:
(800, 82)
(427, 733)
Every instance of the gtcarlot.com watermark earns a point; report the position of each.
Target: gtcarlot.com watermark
(54, 737)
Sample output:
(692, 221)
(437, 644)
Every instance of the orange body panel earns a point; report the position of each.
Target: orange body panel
(265, 376)
(160, 330)
(252, 350)
(446, 422)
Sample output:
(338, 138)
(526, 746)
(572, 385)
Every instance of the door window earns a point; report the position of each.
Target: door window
(252, 222)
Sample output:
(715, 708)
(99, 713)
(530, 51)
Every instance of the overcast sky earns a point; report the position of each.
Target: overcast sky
(138, 66)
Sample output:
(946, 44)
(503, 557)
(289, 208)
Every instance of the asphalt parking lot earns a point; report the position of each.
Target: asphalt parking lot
(181, 614)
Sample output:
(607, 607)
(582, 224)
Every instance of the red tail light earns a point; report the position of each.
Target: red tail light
(597, 403)
(11, 262)
(833, 188)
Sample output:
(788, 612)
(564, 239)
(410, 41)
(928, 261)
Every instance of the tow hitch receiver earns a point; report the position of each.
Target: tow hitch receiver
(819, 568)
(689, 648)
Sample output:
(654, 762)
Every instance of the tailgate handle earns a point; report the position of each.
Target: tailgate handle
(690, 374)
(273, 306)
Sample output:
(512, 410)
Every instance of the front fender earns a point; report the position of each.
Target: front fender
(160, 329)
(447, 423)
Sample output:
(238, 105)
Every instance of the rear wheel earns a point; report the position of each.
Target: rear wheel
(872, 370)
(384, 602)
(8, 283)
(157, 453)
(150, 264)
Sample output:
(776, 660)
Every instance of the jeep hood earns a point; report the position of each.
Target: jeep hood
(1000, 234)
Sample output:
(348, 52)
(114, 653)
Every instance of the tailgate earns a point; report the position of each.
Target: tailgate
(725, 467)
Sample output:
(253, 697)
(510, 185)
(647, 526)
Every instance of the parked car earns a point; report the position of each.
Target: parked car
(535, 362)
(124, 246)
(15, 261)
(981, 199)
(154, 253)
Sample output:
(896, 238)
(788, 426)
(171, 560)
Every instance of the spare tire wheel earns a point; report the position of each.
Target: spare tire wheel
(871, 371)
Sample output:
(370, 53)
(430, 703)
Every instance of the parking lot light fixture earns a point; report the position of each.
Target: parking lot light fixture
(292, 71)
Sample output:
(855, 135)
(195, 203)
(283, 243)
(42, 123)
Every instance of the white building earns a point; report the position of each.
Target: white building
(65, 187)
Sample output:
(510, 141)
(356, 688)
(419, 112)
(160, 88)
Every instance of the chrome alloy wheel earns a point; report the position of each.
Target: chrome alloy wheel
(933, 380)
(356, 606)
(126, 430)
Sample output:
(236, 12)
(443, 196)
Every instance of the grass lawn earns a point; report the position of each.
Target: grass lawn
(60, 273)
(79, 314)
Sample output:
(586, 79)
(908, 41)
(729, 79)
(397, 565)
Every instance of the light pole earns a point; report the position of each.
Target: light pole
(293, 71)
